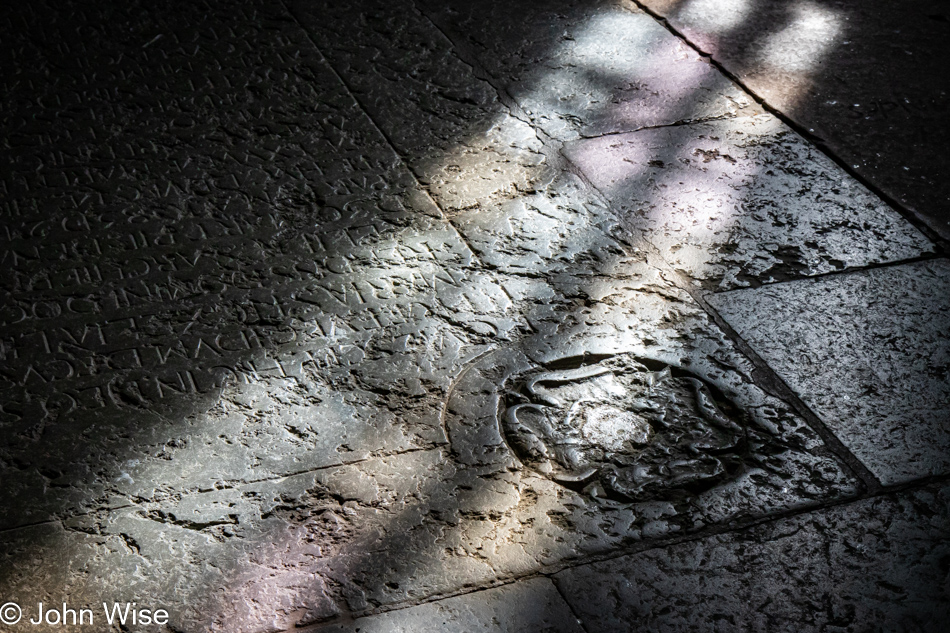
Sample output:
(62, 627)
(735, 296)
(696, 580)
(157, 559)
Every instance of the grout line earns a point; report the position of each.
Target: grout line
(766, 377)
(723, 529)
(232, 485)
(467, 56)
(349, 618)
(661, 126)
(566, 601)
(737, 527)
(389, 141)
(926, 257)
(27, 526)
(940, 244)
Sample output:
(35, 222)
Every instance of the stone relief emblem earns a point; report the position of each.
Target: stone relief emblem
(623, 429)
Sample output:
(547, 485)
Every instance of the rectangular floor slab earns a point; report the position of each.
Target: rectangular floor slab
(527, 606)
(864, 77)
(397, 529)
(165, 242)
(879, 564)
(739, 201)
(869, 352)
(583, 69)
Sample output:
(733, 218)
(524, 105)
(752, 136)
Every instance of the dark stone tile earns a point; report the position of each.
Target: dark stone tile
(875, 565)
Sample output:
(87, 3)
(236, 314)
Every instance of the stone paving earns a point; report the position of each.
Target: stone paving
(484, 316)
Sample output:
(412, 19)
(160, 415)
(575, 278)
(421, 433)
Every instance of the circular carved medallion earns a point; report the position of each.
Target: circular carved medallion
(624, 428)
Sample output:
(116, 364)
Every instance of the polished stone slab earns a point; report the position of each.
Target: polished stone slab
(878, 564)
(743, 201)
(868, 352)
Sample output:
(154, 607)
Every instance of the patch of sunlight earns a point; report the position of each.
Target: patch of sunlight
(799, 47)
(716, 16)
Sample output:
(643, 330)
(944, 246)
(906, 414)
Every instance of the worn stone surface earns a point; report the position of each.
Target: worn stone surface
(877, 565)
(385, 531)
(531, 605)
(34, 568)
(585, 69)
(309, 318)
(255, 249)
(504, 191)
(402, 528)
(736, 201)
(868, 78)
(455, 133)
(868, 352)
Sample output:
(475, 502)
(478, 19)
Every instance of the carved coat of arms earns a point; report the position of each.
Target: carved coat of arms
(624, 429)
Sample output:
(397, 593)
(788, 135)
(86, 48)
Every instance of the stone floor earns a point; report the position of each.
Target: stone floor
(565, 315)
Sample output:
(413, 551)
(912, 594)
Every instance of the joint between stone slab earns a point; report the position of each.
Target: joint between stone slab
(465, 55)
(772, 383)
(552, 147)
(377, 455)
(550, 572)
(352, 93)
(445, 217)
(926, 257)
(941, 245)
(564, 598)
(660, 126)
(138, 502)
(26, 526)
(739, 526)
(349, 617)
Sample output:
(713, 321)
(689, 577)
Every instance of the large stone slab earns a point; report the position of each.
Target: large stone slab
(392, 530)
(581, 69)
(868, 352)
(741, 201)
(501, 187)
(864, 77)
(449, 125)
(223, 283)
(878, 564)
(522, 607)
